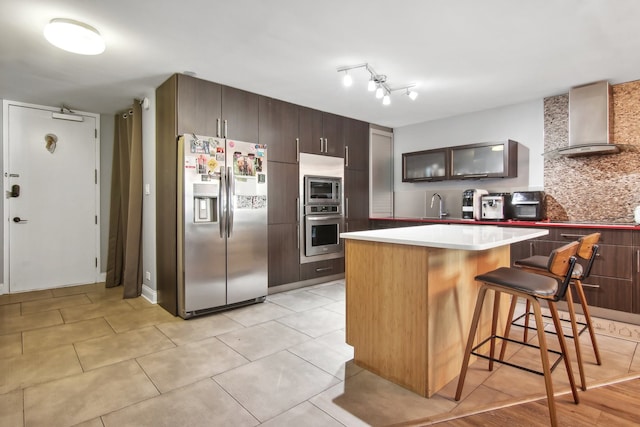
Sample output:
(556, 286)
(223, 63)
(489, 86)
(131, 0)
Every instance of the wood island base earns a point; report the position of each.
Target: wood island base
(409, 309)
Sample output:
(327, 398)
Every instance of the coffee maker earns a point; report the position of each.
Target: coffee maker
(472, 203)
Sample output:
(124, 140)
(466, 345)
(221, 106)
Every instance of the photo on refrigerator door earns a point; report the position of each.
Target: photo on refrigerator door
(244, 164)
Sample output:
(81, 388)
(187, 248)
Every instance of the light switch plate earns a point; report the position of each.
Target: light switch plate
(147, 275)
(147, 189)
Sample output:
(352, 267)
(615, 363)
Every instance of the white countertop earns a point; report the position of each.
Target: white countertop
(449, 236)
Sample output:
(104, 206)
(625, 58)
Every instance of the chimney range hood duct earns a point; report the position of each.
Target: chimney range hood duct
(590, 121)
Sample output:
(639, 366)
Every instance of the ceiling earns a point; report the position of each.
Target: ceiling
(464, 55)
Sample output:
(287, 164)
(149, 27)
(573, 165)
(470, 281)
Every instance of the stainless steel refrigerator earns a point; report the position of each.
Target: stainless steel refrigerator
(222, 224)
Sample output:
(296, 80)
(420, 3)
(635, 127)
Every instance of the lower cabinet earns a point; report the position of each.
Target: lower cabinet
(316, 269)
(613, 281)
(284, 255)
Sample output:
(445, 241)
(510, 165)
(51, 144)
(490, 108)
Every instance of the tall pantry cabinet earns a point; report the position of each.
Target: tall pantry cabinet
(187, 105)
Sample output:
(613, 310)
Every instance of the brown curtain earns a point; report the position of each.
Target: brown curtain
(124, 261)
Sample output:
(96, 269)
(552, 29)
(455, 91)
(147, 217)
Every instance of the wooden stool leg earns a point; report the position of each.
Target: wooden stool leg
(544, 356)
(507, 328)
(563, 348)
(527, 310)
(576, 337)
(494, 327)
(587, 316)
(470, 340)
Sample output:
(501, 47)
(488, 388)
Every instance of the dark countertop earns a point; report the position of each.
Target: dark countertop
(515, 223)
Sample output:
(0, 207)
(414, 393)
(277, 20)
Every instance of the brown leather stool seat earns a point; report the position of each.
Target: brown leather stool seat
(533, 287)
(588, 251)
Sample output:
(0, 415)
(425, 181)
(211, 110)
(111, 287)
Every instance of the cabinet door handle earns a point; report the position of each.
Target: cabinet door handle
(346, 207)
(225, 129)
(321, 145)
(298, 233)
(218, 127)
(571, 236)
(326, 146)
(530, 248)
(319, 270)
(477, 175)
(297, 150)
(297, 209)
(589, 285)
(637, 260)
(346, 156)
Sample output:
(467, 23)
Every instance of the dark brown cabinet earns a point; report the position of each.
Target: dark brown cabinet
(198, 105)
(356, 144)
(321, 133)
(278, 128)
(210, 109)
(356, 199)
(284, 254)
(472, 161)
(317, 269)
(611, 283)
(240, 115)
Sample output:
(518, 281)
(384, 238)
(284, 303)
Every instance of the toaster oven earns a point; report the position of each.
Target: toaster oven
(528, 205)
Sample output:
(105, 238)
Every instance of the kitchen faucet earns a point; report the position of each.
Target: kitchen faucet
(441, 212)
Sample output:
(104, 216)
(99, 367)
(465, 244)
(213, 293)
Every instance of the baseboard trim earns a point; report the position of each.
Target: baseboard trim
(304, 283)
(149, 294)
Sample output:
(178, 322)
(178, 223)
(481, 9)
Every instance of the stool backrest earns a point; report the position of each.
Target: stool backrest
(588, 250)
(561, 263)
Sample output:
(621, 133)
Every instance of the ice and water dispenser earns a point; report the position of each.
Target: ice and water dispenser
(205, 202)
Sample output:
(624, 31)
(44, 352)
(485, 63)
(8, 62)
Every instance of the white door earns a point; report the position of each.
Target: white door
(52, 223)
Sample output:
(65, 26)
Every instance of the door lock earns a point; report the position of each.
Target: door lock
(18, 220)
(15, 191)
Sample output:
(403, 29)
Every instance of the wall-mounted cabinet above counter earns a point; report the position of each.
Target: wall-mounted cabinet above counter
(473, 161)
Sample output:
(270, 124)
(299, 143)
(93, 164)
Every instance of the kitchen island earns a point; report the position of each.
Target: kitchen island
(410, 294)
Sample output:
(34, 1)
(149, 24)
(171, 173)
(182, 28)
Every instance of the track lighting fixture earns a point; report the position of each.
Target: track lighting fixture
(377, 83)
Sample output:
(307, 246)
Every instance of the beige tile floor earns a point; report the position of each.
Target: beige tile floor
(84, 356)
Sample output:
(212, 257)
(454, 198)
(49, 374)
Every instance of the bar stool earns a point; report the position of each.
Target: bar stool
(587, 250)
(533, 287)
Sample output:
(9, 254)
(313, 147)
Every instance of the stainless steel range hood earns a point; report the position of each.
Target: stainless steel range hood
(590, 121)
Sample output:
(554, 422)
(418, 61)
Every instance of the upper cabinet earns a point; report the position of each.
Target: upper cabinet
(473, 161)
(198, 105)
(485, 160)
(239, 115)
(210, 109)
(321, 133)
(279, 129)
(356, 144)
(428, 165)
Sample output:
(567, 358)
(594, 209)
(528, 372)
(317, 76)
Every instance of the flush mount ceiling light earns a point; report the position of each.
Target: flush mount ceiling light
(377, 83)
(74, 36)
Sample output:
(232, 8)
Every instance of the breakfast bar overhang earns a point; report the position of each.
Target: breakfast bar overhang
(410, 295)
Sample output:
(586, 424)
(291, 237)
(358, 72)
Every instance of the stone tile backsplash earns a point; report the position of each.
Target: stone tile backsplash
(601, 188)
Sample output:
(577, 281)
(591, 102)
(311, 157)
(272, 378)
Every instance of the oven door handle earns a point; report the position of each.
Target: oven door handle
(323, 218)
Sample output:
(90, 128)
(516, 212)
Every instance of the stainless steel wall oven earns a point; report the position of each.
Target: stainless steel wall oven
(321, 212)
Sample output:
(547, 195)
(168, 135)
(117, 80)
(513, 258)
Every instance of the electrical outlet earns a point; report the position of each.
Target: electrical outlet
(147, 275)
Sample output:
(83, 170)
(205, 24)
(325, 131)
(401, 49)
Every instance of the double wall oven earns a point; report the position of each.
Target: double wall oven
(321, 180)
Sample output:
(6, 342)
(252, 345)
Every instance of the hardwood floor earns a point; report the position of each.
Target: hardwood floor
(615, 404)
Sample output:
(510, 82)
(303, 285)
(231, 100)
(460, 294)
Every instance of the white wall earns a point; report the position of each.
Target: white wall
(149, 200)
(521, 122)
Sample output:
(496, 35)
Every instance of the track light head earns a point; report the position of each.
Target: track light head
(386, 100)
(372, 85)
(412, 94)
(379, 92)
(347, 80)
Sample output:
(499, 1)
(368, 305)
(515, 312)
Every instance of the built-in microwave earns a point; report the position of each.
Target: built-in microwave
(322, 190)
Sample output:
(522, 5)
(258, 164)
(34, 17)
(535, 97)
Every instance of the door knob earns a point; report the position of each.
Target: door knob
(17, 220)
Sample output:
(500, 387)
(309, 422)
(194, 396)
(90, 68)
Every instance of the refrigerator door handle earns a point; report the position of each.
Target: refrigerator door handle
(231, 188)
(222, 204)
